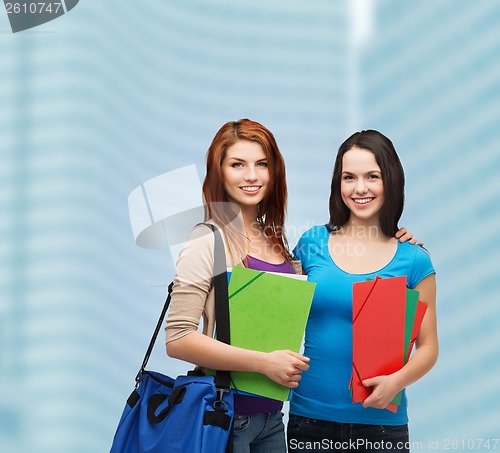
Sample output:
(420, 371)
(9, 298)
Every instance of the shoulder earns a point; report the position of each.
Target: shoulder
(314, 233)
(311, 239)
(201, 236)
(419, 260)
(199, 246)
(418, 253)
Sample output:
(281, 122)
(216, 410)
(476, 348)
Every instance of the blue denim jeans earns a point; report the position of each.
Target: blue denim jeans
(260, 433)
(308, 435)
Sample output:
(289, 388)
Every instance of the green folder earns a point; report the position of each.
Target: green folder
(411, 310)
(267, 312)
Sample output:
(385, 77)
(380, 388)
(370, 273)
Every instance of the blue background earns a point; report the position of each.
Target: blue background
(115, 93)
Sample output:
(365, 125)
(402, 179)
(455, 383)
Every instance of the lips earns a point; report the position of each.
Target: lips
(363, 200)
(250, 189)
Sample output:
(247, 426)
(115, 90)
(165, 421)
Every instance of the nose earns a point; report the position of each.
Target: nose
(361, 187)
(250, 174)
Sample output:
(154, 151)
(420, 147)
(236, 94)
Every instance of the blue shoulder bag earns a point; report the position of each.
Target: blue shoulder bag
(188, 414)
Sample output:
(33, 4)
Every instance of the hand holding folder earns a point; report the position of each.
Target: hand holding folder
(386, 321)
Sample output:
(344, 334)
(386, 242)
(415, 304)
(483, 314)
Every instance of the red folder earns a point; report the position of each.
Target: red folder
(386, 320)
(379, 308)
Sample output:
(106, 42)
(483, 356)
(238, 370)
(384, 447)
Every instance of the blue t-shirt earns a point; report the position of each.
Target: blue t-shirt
(323, 390)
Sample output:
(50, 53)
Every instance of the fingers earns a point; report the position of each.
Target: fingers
(401, 232)
(406, 237)
(294, 370)
(301, 362)
(301, 366)
(369, 401)
(293, 380)
(286, 367)
(289, 380)
(372, 402)
(368, 382)
(298, 356)
(382, 392)
(293, 383)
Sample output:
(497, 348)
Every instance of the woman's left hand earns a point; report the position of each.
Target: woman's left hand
(384, 389)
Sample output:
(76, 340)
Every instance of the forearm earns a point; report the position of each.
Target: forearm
(282, 366)
(207, 352)
(419, 365)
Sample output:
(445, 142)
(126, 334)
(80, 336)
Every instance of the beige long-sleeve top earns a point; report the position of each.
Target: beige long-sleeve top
(192, 293)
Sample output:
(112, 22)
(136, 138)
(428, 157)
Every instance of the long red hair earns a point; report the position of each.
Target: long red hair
(272, 209)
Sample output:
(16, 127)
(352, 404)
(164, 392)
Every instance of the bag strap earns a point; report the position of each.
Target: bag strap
(222, 378)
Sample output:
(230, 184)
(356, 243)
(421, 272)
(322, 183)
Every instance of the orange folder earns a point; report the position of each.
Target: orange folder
(379, 308)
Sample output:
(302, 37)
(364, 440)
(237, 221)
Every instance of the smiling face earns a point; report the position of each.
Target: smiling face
(245, 173)
(361, 186)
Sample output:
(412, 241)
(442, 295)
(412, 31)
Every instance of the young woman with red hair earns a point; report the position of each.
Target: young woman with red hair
(246, 196)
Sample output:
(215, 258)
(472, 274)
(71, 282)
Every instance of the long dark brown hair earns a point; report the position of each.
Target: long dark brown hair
(271, 210)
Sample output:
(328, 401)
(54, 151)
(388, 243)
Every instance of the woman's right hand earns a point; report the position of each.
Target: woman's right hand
(285, 367)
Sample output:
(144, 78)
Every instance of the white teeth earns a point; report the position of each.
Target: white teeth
(250, 188)
(363, 200)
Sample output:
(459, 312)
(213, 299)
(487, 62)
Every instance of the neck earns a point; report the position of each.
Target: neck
(249, 216)
(363, 229)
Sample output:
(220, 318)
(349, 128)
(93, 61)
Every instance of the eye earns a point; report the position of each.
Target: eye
(262, 164)
(374, 176)
(236, 165)
(347, 177)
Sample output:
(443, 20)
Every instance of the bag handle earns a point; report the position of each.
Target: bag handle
(222, 378)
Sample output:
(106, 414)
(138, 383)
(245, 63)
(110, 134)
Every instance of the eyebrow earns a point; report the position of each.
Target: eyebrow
(366, 173)
(243, 160)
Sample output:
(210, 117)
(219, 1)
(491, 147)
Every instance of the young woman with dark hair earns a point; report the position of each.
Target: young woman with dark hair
(366, 202)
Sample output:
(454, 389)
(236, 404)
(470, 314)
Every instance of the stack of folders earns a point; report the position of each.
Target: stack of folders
(268, 311)
(386, 318)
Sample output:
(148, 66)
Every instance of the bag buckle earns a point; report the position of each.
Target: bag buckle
(219, 402)
(138, 379)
